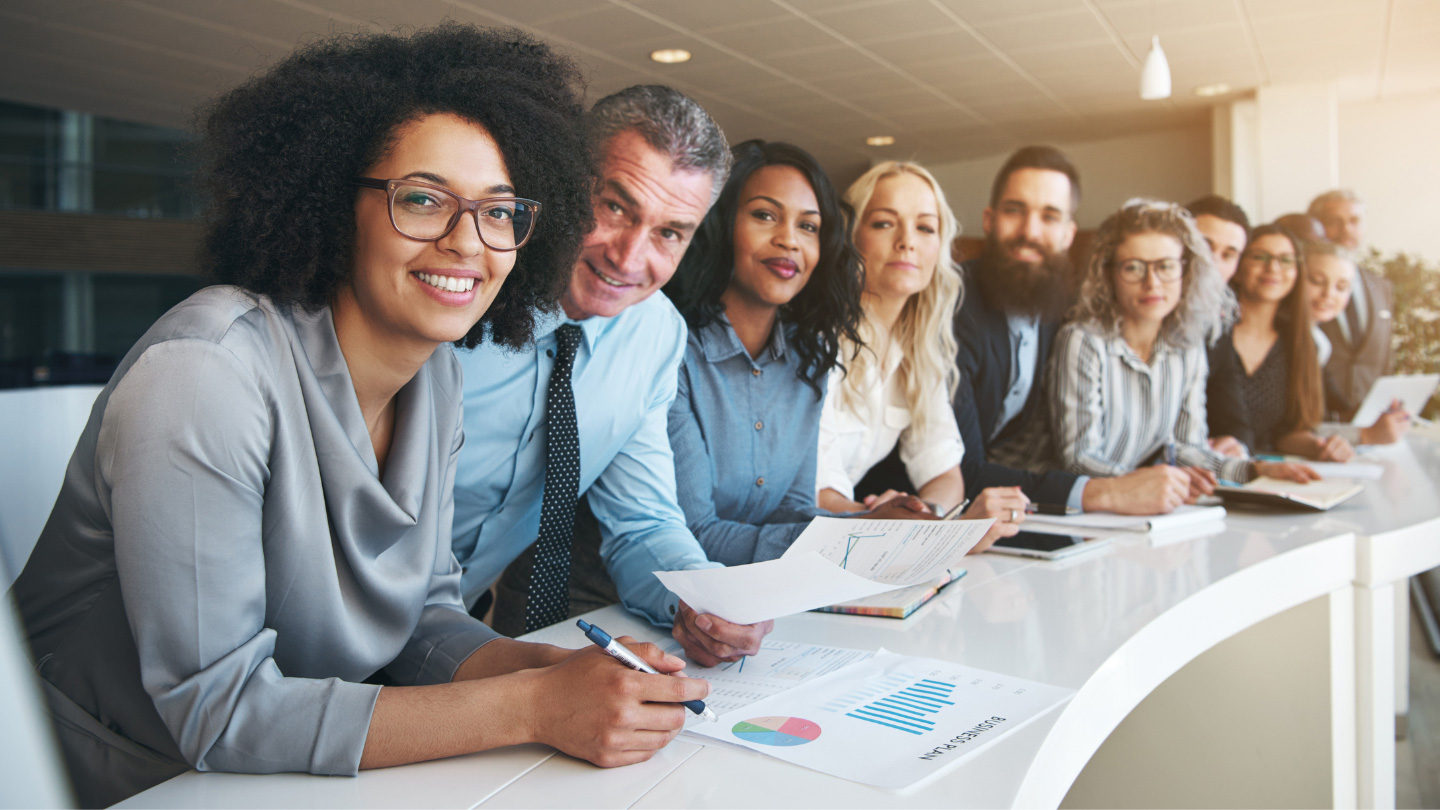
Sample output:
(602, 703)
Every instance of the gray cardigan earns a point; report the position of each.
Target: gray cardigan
(223, 567)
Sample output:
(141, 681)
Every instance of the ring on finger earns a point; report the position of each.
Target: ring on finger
(1014, 516)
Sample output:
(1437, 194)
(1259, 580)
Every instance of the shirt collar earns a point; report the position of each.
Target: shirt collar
(719, 342)
(591, 329)
(1119, 348)
(1020, 324)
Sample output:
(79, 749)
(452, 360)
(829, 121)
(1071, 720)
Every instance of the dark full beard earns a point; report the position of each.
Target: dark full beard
(1025, 288)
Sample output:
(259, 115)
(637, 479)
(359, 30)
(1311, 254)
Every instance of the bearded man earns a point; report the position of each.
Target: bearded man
(1016, 293)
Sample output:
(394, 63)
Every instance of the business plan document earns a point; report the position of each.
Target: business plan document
(893, 721)
(778, 667)
(833, 560)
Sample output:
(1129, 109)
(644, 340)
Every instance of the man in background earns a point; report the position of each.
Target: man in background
(1226, 229)
(1360, 337)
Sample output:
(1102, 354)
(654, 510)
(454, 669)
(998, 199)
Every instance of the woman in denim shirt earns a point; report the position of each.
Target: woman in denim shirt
(768, 288)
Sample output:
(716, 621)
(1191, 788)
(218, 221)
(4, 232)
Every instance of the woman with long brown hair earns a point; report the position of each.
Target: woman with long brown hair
(1281, 387)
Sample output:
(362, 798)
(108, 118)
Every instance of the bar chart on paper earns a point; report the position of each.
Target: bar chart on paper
(892, 720)
(902, 704)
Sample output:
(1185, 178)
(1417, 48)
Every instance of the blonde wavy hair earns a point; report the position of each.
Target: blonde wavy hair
(925, 331)
(1207, 306)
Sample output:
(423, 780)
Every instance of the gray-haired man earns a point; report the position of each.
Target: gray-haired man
(534, 444)
(1360, 337)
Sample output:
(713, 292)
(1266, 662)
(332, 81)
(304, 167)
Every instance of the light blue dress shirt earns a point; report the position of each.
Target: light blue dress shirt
(744, 432)
(624, 381)
(1025, 342)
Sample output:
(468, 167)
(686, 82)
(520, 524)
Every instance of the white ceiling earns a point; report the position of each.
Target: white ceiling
(950, 79)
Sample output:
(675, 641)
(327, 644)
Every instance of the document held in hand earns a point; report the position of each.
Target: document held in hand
(834, 560)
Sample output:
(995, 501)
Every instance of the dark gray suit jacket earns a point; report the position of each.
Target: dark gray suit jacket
(1354, 366)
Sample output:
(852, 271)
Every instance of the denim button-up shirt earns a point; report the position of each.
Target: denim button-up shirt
(744, 431)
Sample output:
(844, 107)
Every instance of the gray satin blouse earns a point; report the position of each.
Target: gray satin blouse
(223, 566)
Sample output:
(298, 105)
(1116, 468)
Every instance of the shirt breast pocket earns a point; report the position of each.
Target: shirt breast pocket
(896, 418)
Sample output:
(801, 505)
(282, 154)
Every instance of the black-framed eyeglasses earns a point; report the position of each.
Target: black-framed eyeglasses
(1167, 269)
(428, 213)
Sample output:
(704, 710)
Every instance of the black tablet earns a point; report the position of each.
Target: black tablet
(1046, 546)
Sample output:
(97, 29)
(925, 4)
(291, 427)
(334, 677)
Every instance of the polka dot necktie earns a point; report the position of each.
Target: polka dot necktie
(549, 599)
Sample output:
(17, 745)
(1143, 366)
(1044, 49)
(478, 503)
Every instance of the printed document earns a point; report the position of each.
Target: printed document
(833, 560)
(893, 721)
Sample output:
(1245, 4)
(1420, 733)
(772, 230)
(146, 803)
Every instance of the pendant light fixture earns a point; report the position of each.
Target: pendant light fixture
(1155, 76)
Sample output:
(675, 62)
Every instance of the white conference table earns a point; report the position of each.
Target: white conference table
(1278, 630)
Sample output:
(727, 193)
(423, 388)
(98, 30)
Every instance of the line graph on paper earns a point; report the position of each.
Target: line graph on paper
(851, 540)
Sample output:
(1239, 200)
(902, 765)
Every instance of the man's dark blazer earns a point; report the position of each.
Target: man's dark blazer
(984, 358)
(1353, 367)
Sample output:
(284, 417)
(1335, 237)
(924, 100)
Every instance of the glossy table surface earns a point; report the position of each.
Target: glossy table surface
(1112, 624)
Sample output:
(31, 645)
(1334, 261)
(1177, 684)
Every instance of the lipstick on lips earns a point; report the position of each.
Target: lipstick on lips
(783, 267)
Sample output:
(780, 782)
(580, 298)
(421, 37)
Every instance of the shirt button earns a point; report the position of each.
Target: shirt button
(759, 425)
(756, 372)
(549, 352)
(760, 482)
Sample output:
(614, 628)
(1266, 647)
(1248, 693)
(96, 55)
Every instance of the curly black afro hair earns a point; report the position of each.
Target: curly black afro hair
(279, 154)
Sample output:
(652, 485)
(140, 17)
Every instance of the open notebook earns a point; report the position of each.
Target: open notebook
(1316, 495)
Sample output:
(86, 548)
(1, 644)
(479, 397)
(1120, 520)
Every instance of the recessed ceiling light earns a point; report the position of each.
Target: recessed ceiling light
(1208, 90)
(670, 56)
(880, 140)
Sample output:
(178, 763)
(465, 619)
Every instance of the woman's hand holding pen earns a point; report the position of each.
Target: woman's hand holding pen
(593, 707)
(1391, 427)
(1007, 505)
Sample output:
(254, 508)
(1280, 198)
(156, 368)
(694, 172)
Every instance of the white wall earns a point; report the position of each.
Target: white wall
(1298, 147)
(1390, 155)
(1169, 164)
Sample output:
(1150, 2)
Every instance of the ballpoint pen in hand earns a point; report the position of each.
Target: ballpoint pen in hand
(619, 652)
(956, 511)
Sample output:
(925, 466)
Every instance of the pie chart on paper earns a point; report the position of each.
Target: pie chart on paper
(776, 730)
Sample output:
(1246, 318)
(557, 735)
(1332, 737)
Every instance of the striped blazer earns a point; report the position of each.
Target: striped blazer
(1111, 412)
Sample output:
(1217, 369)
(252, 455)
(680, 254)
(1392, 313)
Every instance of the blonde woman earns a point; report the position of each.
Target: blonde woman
(898, 383)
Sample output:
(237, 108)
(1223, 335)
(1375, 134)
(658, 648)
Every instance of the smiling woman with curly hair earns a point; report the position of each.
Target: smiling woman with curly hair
(254, 530)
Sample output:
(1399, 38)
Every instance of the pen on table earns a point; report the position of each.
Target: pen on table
(619, 652)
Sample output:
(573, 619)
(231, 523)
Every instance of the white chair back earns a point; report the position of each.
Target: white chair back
(38, 431)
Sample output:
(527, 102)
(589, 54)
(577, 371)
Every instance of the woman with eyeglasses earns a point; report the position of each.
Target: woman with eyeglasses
(1272, 346)
(1127, 375)
(254, 530)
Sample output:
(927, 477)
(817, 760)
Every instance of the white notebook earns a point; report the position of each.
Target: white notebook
(1184, 516)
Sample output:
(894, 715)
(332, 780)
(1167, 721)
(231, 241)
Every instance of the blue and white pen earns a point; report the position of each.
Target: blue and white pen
(618, 651)
(1170, 453)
